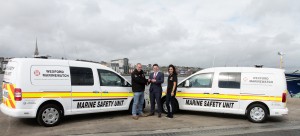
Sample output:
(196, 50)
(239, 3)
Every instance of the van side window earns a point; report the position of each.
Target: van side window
(230, 80)
(108, 78)
(81, 76)
(201, 80)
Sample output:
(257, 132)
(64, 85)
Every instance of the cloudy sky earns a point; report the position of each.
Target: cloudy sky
(181, 32)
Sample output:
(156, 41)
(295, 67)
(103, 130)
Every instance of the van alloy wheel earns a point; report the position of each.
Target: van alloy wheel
(50, 116)
(257, 113)
(165, 107)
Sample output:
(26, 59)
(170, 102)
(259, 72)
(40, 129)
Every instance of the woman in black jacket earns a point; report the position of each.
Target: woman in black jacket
(171, 90)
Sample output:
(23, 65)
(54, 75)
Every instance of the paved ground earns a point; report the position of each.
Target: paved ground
(184, 123)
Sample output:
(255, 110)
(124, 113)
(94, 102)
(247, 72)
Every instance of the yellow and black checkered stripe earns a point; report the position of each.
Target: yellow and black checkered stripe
(9, 101)
(229, 96)
(28, 95)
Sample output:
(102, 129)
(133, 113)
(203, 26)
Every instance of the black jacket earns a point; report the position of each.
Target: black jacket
(138, 81)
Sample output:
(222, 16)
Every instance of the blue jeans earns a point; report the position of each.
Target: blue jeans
(138, 103)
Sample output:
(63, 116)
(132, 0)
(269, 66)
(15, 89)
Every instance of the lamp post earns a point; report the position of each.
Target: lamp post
(281, 54)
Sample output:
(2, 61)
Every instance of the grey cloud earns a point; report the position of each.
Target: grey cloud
(190, 33)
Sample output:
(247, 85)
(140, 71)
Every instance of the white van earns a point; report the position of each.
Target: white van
(48, 89)
(254, 92)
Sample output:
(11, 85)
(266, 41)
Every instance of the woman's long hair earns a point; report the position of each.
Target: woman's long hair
(174, 69)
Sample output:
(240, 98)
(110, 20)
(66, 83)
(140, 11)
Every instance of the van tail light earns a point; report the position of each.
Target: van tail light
(283, 97)
(18, 94)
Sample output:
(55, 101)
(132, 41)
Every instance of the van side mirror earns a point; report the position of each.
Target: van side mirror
(125, 83)
(187, 83)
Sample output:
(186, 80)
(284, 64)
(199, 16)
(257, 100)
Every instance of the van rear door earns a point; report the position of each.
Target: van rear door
(9, 84)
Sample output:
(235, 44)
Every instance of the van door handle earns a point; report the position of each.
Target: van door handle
(105, 91)
(206, 93)
(216, 93)
(95, 91)
(179, 91)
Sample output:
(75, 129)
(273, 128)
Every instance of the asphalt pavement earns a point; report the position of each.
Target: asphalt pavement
(184, 123)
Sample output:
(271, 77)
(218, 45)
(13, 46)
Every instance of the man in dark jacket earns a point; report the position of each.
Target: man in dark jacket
(138, 87)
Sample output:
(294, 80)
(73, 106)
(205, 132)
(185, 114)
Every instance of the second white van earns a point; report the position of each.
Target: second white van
(255, 92)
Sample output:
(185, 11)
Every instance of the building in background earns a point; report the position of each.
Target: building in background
(115, 66)
(36, 53)
(107, 64)
(120, 65)
(131, 68)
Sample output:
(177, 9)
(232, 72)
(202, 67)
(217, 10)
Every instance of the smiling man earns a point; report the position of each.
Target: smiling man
(138, 87)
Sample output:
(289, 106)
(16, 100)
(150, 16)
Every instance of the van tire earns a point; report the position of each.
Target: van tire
(257, 113)
(130, 107)
(164, 108)
(50, 111)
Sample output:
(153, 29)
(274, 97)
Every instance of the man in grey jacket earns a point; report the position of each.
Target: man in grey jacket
(156, 79)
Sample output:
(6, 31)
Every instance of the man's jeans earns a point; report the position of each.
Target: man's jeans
(138, 103)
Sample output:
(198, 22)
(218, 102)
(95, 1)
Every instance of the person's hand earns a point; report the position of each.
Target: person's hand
(172, 94)
(153, 80)
(149, 80)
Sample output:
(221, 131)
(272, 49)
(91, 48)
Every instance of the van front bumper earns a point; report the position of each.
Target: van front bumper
(279, 112)
(18, 113)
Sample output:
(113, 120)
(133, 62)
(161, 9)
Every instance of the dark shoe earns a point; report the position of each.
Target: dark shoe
(135, 117)
(159, 115)
(169, 117)
(150, 114)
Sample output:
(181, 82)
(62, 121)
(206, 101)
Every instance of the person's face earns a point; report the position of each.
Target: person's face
(139, 67)
(155, 68)
(171, 70)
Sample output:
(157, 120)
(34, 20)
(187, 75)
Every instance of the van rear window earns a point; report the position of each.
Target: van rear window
(10, 74)
(230, 80)
(81, 76)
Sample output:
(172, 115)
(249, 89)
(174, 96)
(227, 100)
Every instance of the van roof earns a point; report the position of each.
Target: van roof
(241, 69)
(58, 61)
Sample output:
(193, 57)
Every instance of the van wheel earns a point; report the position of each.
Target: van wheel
(49, 115)
(257, 113)
(130, 107)
(164, 106)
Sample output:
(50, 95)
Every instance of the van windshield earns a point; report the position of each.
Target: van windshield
(10, 72)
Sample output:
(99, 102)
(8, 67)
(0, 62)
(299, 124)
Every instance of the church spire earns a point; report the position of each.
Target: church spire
(36, 52)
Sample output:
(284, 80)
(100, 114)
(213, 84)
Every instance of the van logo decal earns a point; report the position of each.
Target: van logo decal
(37, 72)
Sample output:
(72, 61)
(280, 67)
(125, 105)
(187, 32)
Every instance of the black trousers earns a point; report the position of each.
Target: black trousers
(155, 96)
(170, 101)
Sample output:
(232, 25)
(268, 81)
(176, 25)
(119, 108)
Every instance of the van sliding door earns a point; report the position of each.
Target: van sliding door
(228, 91)
(85, 91)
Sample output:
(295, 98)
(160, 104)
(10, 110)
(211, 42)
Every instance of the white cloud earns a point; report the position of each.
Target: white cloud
(189, 33)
